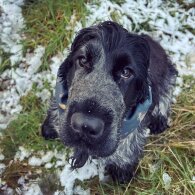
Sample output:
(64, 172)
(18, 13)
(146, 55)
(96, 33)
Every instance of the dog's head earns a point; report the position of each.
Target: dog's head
(105, 75)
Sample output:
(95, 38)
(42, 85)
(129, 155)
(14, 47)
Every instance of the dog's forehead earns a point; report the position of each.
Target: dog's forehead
(106, 58)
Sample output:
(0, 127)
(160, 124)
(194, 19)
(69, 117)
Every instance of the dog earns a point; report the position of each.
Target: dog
(112, 91)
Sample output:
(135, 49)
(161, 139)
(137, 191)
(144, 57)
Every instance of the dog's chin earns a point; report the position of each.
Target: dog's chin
(99, 148)
(104, 150)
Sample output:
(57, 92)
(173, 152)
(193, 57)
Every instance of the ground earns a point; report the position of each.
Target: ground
(34, 41)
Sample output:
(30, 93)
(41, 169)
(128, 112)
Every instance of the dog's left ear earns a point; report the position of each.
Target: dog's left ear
(142, 51)
(141, 54)
(145, 80)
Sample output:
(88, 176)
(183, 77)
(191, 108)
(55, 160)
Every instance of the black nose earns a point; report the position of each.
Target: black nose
(91, 126)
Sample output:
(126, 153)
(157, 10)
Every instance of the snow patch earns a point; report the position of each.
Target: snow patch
(2, 157)
(10, 28)
(2, 168)
(33, 189)
(167, 180)
(22, 154)
(68, 176)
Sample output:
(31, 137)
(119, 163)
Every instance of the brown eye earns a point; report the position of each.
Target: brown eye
(82, 61)
(126, 73)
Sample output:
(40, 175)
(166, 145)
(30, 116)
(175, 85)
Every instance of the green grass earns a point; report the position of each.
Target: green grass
(46, 23)
(173, 151)
(5, 62)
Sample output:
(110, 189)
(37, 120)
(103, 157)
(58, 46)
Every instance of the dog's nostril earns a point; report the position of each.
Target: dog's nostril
(89, 125)
(91, 132)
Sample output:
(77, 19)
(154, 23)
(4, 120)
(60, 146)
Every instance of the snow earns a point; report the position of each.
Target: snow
(48, 165)
(34, 60)
(10, 27)
(43, 159)
(2, 168)
(22, 154)
(78, 190)
(2, 157)
(166, 22)
(47, 157)
(68, 176)
(167, 180)
(35, 161)
(33, 189)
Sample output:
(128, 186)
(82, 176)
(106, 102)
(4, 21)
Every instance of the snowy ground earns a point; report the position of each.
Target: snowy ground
(167, 24)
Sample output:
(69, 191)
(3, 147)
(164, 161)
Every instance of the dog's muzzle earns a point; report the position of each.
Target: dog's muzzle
(89, 121)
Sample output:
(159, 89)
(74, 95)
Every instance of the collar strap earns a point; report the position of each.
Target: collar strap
(132, 122)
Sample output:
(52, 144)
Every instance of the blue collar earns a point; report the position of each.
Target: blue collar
(131, 121)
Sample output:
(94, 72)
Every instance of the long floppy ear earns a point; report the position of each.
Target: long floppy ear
(141, 51)
(144, 50)
(139, 88)
(50, 126)
(62, 82)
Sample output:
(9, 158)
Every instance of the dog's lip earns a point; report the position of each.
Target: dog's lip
(98, 150)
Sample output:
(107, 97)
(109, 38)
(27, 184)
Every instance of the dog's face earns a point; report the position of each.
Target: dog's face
(106, 75)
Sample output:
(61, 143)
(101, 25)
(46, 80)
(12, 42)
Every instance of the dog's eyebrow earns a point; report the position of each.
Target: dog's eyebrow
(121, 60)
(93, 51)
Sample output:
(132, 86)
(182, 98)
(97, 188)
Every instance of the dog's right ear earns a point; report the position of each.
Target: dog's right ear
(49, 129)
(63, 83)
(63, 71)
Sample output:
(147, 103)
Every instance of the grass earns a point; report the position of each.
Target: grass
(46, 23)
(4, 61)
(172, 152)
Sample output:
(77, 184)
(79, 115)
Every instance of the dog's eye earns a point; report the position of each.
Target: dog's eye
(126, 73)
(83, 62)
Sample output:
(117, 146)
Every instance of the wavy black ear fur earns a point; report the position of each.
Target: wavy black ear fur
(63, 72)
(49, 128)
(141, 55)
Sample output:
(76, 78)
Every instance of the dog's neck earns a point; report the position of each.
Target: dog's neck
(131, 122)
